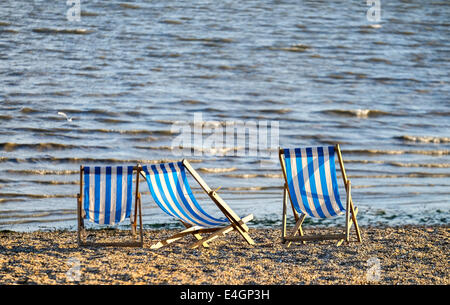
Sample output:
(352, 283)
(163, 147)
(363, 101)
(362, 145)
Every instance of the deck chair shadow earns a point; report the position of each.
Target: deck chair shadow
(170, 190)
(312, 188)
(106, 198)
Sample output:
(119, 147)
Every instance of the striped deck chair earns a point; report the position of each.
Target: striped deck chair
(106, 198)
(312, 187)
(170, 190)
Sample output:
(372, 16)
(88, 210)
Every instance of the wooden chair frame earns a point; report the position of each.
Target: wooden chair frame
(236, 223)
(350, 214)
(133, 222)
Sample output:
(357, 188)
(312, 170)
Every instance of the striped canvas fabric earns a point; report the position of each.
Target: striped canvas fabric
(108, 193)
(170, 190)
(312, 182)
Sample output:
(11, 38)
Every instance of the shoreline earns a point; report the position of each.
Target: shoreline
(388, 255)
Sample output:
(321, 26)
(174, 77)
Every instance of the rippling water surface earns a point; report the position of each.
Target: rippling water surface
(128, 70)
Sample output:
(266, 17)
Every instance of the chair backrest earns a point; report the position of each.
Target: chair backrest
(170, 190)
(312, 182)
(108, 193)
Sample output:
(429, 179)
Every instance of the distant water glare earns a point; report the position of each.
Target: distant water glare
(107, 90)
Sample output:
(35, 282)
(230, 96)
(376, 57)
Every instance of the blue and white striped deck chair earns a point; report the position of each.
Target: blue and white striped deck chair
(170, 190)
(106, 198)
(312, 187)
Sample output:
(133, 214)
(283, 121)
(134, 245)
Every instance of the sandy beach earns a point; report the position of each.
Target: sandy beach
(394, 255)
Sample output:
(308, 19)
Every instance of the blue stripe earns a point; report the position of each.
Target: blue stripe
(191, 195)
(301, 181)
(108, 195)
(97, 194)
(334, 178)
(129, 191)
(312, 182)
(290, 178)
(86, 192)
(183, 198)
(290, 181)
(174, 198)
(118, 193)
(153, 193)
(323, 182)
(161, 191)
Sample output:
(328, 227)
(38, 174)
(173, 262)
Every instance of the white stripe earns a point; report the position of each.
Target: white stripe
(124, 192)
(112, 210)
(91, 193)
(318, 182)
(304, 160)
(168, 197)
(101, 217)
(191, 204)
(327, 166)
(295, 179)
(180, 201)
(151, 176)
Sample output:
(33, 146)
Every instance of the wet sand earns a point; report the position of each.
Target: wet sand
(393, 255)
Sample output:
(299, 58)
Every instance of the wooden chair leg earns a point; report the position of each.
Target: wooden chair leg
(297, 229)
(173, 238)
(213, 236)
(284, 216)
(355, 221)
(355, 213)
(222, 231)
(347, 212)
(198, 236)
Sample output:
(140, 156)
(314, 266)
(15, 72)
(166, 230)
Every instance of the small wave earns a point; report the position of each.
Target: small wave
(439, 113)
(409, 175)
(42, 172)
(342, 75)
(169, 21)
(213, 40)
(424, 139)
(35, 196)
(111, 121)
(28, 110)
(88, 14)
(217, 170)
(426, 165)
(359, 113)
(2, 23)
(129, 6)
(88, 160)
(222, 151)
(5, 117)
(294, 48)
(397, 152)
(11, 31)
(401, 164)
(379, 60)
(101, 112)
(53, 182)
(62, 31)
(278, 111)
(191, 102)
(44, 146)
(249, 176)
